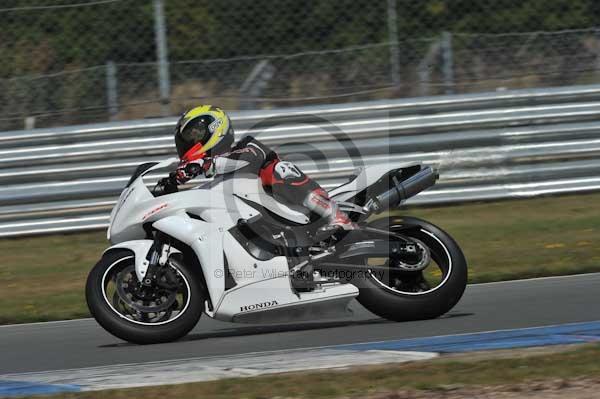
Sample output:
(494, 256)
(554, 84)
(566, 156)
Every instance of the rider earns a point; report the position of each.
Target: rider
(204, 136)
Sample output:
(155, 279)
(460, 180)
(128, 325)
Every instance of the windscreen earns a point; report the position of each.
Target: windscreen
(140, 170)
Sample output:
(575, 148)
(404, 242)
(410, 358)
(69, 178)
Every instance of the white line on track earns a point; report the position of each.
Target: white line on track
(46, 323)
(538, 279)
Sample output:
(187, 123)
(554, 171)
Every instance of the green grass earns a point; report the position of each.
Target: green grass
(436, 375)
(42, 278)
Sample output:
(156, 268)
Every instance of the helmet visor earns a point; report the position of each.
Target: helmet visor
(194, 132)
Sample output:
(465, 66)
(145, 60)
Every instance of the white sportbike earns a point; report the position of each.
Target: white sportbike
(228, 249)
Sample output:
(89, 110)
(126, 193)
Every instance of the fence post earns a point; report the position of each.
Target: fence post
(30, 122)
(393, 39)
(112, 97)
(448, 62)
(425, 66)
(162, 56)
(424, 78)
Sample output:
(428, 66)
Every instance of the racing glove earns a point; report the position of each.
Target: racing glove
(188, 170)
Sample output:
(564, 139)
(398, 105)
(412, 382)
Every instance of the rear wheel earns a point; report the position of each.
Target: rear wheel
(421, 288)
(164, 310)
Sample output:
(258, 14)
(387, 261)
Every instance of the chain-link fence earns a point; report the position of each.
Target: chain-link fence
(76, 61)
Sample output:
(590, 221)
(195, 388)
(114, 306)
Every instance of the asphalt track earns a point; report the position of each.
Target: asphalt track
(485, 307)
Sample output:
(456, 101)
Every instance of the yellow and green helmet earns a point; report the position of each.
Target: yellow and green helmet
(203, 131)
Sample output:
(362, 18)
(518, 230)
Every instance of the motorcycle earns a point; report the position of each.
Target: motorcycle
(228, 249)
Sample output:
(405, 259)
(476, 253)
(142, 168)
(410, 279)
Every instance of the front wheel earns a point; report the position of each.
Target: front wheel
(396, 292)
(162, 311)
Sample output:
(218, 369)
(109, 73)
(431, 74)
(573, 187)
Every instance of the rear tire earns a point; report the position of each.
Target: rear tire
(127, 329)
(392, 304)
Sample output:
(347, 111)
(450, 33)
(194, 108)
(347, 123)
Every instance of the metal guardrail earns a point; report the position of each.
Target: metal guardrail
(487, 146)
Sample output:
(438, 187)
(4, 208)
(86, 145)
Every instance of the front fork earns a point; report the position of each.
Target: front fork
(157, 257)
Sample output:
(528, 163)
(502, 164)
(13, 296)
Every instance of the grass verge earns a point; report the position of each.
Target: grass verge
(438, 375)
(42, 278)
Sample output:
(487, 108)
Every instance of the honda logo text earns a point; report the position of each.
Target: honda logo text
(257, 306)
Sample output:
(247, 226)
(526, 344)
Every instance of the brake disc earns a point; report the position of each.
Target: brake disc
(414, 257)
(145, 299)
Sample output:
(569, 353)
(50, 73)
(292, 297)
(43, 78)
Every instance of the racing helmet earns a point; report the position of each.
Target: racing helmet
(203, 131)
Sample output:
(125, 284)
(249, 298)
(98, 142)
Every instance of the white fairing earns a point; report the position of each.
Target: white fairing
(202, 218)
(219, 201)
(140, 249)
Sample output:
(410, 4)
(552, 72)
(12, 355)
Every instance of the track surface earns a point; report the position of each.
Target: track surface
(485, 307)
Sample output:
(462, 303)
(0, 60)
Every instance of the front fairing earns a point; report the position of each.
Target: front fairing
(124, 223)
(137, 207)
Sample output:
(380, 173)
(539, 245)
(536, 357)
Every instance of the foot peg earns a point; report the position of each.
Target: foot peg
(301, 277)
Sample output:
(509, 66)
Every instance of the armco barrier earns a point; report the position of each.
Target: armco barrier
(488, 146)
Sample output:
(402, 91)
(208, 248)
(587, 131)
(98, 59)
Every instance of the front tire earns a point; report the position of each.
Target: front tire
(118, 314)
(387, 297)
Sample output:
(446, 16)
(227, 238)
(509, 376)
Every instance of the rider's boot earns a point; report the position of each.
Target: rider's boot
(319, 202)
(339, 221)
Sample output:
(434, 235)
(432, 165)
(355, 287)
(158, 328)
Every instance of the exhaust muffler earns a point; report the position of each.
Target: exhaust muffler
(402, 190)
